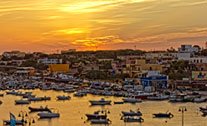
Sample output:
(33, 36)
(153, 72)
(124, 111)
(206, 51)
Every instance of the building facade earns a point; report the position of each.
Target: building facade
(50, 61)
(158, 82)
(188, 49)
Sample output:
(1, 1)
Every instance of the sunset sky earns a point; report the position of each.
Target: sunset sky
(51, 25)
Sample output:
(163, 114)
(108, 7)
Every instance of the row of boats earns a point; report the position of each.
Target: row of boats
(27, 97)
(100, 117)
(43, 113)
(81, 88)
(134, 99)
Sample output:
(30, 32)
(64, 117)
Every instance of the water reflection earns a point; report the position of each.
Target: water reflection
(72, 112)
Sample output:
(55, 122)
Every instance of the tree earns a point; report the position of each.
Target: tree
(41, 66)
(33, 63)
(96, 74)
(197, 46)
(179, 70)
(29, 63)
(80, 70)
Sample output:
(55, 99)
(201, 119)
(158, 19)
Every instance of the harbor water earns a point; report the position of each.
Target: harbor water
(72, 112)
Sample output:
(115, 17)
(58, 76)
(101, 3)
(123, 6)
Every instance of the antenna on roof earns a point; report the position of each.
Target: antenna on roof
(206, 44)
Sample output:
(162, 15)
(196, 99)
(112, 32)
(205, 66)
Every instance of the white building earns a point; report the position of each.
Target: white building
(198, 60)
(14, 53)
(151, 73)
(187, 49)
(184, 56)
(50, 61)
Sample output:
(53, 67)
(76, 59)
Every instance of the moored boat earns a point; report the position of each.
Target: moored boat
(163, 115)
(8, 122)
(13, 92)
(69, 91)
(40, 109)
(100, 121)
(45, 98)
(143, 95)
(35, 99)
(204, 112)
(132, 100)
(132, 113)
(133, 119)
(100, 102)
(96, 115)
(202, 108)
(48, 115)
(63, 97)
(118, 102)
(22, 102)
(162, 97)
(80, 94)
(198, 100)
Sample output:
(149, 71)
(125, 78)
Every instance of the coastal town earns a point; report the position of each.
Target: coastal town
(182, 68)
(133, 76)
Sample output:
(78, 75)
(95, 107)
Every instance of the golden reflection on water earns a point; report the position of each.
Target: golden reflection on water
(73, 111)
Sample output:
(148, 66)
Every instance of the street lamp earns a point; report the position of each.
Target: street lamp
(31, 120)
(26, 119)
(182, 109)
(23, 114)
(105, 112)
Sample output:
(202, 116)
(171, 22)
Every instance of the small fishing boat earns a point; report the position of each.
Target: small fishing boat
(203, 109)
(40, 109)
(13, 92)
(1, 95)
(18, 122)
(63, 97)
(96, 115)
(161, 97)
(35, 99)
(204, 112)
(132, 113)
(22, 102)
(100, 102)
(48, 115)
(28, 96)
(100, 121)
(45, 88)
(45, 98)
(142, 95)
(59, 88)
(132, 100)
(108, 93)
(118, 102)
(163, 115)
(79, 94)
(133, 119)
(199, 100)
(69, 91)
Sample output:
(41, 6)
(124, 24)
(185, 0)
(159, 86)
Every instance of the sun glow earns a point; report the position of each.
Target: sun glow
(104, 24)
